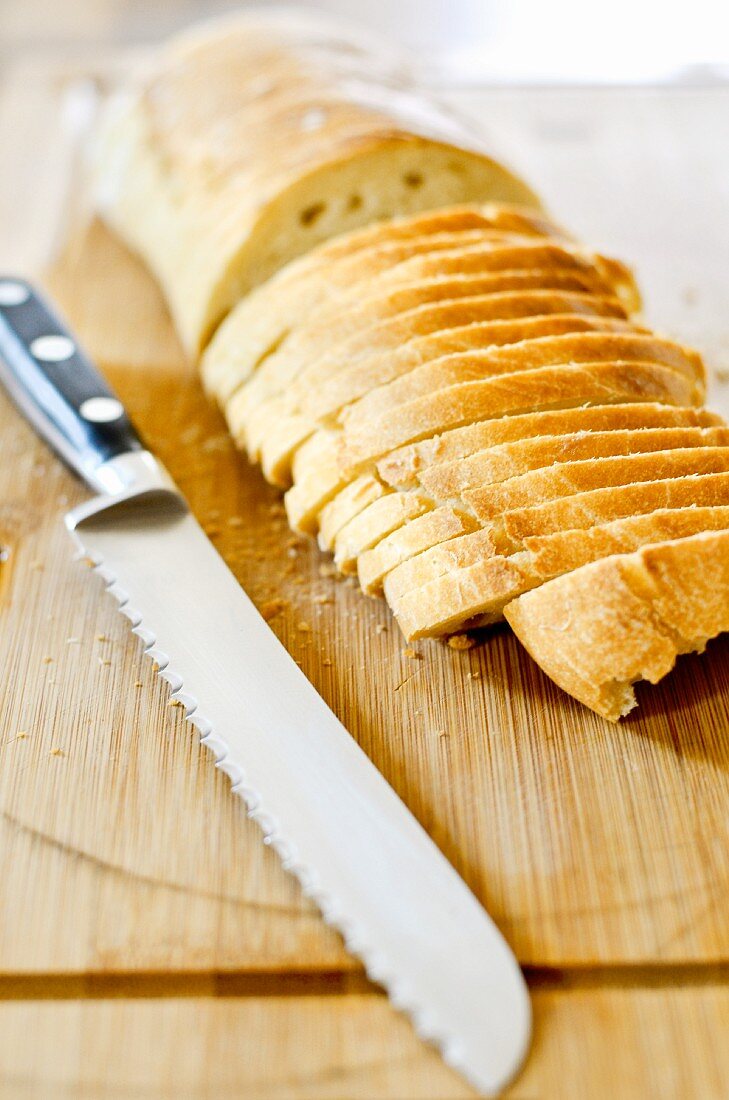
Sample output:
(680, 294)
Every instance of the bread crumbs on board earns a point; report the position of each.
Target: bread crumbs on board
(461, 641)
(271, 608)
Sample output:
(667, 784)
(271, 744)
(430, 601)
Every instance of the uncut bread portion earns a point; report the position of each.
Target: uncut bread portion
(501, 463)
(217, 190)
(600, 629)
(401, 468)
(261, 320)
(480, 590)
(541, 390)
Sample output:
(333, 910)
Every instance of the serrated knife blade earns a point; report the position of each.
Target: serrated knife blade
(335, 821)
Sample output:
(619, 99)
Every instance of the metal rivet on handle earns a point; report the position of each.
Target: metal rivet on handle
(12, 293)
(52, 349)
(101, 410)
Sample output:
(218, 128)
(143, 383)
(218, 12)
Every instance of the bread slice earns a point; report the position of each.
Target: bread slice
(261, 323)
(448, 481)
(597, 506)
(402, 467)
(512, 532)
(261, 187)
(356, 496)
(589, 347)
(363, 277)
(262, 319)
(563, 551)
(373, 524)
(509, 533)
(481, 589)
(598, 630)
(541, 390)
(331, 387)
(709, 446)
(408, 541)
(317, 475)
(567, 478)
(444, 485)
(358, 332)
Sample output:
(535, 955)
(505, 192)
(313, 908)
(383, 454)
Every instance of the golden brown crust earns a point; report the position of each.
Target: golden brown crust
(541, 390)
(598, 630)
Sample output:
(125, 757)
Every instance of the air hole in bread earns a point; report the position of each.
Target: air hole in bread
(355, 203)
(413, 179)
(312, 213)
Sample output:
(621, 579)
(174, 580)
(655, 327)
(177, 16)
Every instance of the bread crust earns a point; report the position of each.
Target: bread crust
(260, 320)
(541, 390)
(184, 127)
(438, 599)
(598, 630)
(362, 330)
(401, 468)
(569, 478)
(501, 463)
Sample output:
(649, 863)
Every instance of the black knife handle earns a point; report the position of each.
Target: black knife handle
(56, 385)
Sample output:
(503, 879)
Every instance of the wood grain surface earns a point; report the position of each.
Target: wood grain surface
(600, 851)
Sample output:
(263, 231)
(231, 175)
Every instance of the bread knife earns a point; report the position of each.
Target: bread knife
(322, 805)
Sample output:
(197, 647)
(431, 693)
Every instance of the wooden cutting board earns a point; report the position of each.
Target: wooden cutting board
(600, 850)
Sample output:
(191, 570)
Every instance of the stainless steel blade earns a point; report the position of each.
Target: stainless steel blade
(337, 824)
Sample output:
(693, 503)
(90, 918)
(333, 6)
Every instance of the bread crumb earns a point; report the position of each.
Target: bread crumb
(321, 598)
(380, 629)
(47, 660)
(175, 703)
(722, 375)
(101, 638)
(104, 661)
(21, 735)
(304, 628)
(461, 641)
(327, 662)
(271, 608)
(138, 683)
(412, 654)
(474, 675)
(56, 751)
